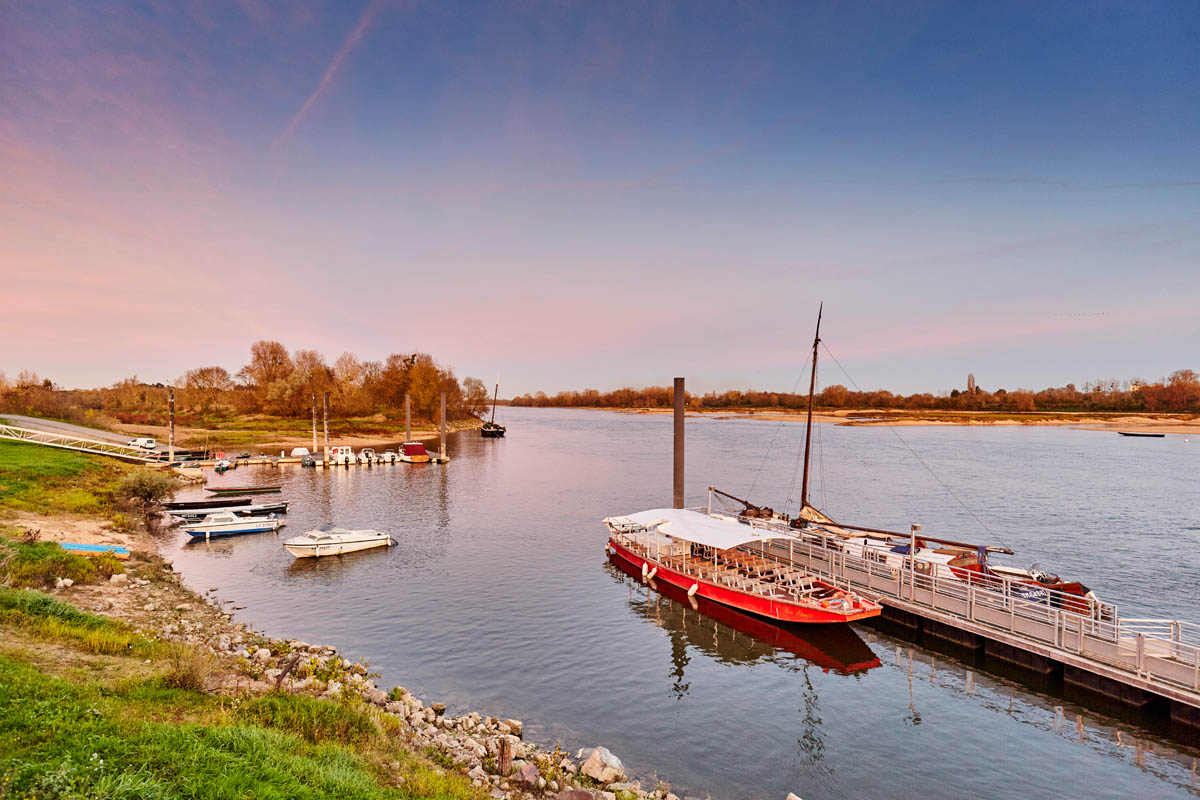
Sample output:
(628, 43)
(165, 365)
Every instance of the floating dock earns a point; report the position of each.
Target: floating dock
(1138, 662)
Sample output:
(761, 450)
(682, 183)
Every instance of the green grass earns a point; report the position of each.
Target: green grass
(36, 564)
(46, 618)
(143, 740)
(46, 479)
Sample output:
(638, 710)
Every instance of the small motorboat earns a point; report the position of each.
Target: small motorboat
(308, 461)
(226, 523)
(224, 465)
(235, 490)
(389, 457)
(335, 542)
(414, 453)
(341, 454)
(367, 456)
(256, 510)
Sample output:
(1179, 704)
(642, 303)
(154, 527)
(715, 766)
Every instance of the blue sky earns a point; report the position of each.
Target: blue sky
(570, 195)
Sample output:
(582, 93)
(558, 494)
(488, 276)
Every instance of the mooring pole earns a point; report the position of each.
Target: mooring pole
(679, 498)
(325, 419)
(171, 433)
(314, 398)
(407, 417)
(912, 561)
(443, 438)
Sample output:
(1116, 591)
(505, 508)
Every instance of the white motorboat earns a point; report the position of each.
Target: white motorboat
(389, 457)
(367, 456)
(227, 523)
(335, 542)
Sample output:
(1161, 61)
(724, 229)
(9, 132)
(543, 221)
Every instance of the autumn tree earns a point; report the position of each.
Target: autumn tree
(269, 362)
(207, 383)
(475, 396)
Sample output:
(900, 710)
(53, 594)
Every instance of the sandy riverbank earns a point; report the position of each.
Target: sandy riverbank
(1141, 423)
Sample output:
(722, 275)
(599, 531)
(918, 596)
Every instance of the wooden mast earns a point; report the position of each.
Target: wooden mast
(495, 397)
(812, 385)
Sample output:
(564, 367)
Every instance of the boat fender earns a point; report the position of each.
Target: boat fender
(645, 569)
(653, 572)
(692, 591)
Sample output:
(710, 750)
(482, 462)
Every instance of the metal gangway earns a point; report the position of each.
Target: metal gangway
(80, 444)
(1160, 656)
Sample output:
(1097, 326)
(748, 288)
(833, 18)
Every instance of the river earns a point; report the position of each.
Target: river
(499, 599)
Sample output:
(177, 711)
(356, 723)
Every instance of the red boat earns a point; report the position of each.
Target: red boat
(716, 558)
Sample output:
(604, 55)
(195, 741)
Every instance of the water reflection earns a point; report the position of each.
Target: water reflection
(732, 637)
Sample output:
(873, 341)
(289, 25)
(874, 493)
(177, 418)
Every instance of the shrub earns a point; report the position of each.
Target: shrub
(36, 565)
(145, 489)
(188, 667)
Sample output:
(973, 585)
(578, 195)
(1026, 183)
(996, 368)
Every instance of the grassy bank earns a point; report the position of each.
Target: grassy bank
(46, 480)
(74, 724)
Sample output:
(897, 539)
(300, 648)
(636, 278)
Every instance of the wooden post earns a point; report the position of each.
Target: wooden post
(171, 433)
(325, 455)
(443, 437)
(407, 417)
(679, 493)
(314, 404)
(504, 757)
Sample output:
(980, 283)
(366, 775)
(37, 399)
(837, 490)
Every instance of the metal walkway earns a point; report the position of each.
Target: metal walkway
(1092, 643)
(82, 445)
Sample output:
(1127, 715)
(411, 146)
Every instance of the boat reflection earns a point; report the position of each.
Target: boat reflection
(715, 629)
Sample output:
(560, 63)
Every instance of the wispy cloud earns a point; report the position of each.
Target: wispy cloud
(352, 41)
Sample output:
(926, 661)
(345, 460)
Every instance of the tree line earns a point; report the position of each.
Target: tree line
(275, 382)
(1178, 393)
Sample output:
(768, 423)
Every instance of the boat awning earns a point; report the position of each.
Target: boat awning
(694, 526)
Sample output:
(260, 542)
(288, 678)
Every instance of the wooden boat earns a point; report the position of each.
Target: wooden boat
(1143, 435)
(335, 542)
(236, 490)
(492, 429)
(223, 504)
(121, 553)
(924, 555)
(414, 453)
(721, 559)
(226, 523)
(257, 509)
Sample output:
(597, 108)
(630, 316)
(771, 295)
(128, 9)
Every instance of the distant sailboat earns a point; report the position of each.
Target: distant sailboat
(492, 429)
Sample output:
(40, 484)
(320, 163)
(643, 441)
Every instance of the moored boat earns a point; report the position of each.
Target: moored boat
(224, 465)
(414, 453)
(492, 429)
(335, 542)
(236, 490)
(257, 509)
(721, 559)
(367, 456)
(1143, 435)
(389, 457)
(226, 523)
(221, 504)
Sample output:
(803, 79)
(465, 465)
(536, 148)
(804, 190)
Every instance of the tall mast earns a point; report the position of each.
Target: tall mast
(812, 385)
(495, 397)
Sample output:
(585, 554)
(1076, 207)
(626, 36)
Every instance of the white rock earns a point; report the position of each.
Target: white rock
(119, 578)
(262, 655)
(791, 797)
(333, 690)
(604, 766)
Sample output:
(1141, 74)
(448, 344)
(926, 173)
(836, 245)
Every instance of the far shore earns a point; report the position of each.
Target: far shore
(1081, 420)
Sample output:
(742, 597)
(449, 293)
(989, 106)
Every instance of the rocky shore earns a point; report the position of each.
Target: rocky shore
(490, 750)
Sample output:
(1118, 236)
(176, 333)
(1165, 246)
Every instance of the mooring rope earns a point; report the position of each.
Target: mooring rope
(774, 436)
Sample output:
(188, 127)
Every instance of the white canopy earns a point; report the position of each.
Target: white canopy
(698, 527)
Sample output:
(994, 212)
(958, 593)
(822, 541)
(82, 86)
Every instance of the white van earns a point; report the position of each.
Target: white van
(341, 455)
(143, 442)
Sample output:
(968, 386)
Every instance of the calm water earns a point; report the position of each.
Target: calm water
(499, 599)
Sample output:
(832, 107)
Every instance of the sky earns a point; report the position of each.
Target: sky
(570, 195)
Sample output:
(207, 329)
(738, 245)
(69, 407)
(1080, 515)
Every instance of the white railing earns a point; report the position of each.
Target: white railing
(80, 444)
(1157, 650)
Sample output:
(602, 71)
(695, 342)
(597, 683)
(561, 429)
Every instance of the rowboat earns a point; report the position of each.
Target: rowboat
(721, 559)
(226, 523)
(121, 553)
(234, 490)
(414, 453)
(1144, 435)
(220, 505)
(257, 509)
(335, 542)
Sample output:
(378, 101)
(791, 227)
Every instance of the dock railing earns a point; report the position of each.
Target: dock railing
(1159, 651)
(79, 444)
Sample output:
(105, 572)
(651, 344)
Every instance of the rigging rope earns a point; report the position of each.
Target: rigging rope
(913, 452)
(763, 463)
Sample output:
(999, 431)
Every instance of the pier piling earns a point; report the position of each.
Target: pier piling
(407, 417)
(679, 493)
(442, 439)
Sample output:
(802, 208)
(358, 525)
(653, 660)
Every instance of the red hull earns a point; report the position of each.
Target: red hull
(743, 601)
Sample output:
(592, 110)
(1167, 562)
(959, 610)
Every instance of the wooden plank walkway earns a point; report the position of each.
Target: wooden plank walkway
(80, 444)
